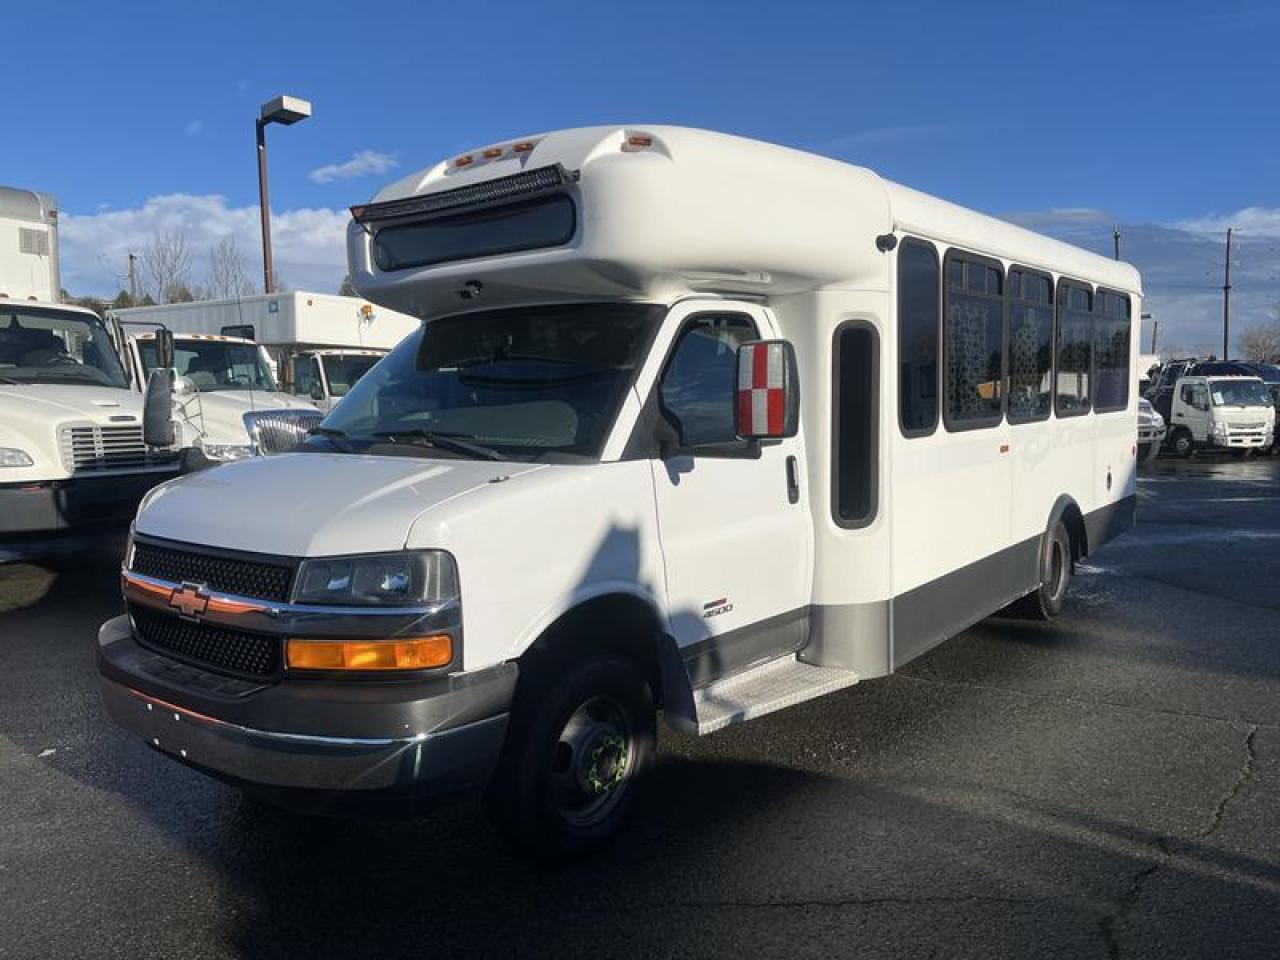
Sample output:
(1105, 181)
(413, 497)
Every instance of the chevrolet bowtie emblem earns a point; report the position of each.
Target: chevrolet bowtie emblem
(189, 600)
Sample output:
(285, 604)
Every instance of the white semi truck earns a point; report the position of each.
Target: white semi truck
(693, 424)
(29, 246)
(319, 344)
(226, 403)
(72, 457)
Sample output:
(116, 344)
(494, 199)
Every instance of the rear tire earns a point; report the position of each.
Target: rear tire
(578, 742)
(1056, 560)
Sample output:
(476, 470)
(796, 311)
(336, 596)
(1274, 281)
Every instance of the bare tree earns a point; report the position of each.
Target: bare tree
(167, 260)
(1261, 342)
(228, 277)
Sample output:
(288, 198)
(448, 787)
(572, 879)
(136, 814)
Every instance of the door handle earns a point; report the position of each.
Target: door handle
(793, 480)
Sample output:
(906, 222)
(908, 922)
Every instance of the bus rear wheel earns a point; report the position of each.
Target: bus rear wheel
(1056, 559)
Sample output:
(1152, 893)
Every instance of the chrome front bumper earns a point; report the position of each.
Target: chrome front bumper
(361, 738)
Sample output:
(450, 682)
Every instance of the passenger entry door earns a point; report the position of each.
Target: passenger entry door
(733, 515)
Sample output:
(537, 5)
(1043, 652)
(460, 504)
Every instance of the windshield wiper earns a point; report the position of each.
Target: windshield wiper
(330, 434)
(12, 383)
(445, 441)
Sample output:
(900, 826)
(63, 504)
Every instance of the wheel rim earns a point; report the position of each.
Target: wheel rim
(592, 763)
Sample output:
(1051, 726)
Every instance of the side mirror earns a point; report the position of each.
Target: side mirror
(317, 391)
(768, 394)
(164, 348)
(157, 409)
(184, 387)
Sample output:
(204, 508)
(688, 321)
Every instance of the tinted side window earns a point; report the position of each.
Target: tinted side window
(918, 319)
(1030, 346)
(1111, 349)
(1072, 388)
(699, 383)
(856, 460)
(974, 338)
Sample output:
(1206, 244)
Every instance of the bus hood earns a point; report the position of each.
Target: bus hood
(312, 504)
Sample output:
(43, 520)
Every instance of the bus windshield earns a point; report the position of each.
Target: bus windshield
(47, 346)
(1243, 393)
(526, 383)
(214, 365)
(342, 370)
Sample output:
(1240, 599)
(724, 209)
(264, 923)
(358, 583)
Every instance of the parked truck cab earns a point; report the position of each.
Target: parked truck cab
(72, 456)
(691, 424)
(326, 375)
(226, 402)
(1233, 413)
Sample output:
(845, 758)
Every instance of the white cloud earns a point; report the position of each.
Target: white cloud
(1252, 221)
(309, 245)
(361, 164)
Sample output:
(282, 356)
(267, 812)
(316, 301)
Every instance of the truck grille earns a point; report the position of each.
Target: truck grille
(243, 578)
(252, 655)
(89, 448)
(278, 431)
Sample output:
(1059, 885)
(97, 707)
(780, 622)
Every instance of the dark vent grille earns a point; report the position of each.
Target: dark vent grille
(253, 655)
(244, 578)
(518, 186)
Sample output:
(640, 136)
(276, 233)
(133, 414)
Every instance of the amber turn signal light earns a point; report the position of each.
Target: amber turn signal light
(418, 653)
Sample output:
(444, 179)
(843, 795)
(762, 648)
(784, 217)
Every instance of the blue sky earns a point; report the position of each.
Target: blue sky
(1159, 116)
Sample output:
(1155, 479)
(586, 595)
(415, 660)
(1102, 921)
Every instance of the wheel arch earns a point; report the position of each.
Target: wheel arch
(1066, 510)
(617, 618)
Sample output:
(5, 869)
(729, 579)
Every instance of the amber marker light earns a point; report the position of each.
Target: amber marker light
(493, 153)
(417, 653)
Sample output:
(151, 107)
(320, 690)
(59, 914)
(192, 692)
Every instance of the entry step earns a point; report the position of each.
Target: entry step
(771, 686)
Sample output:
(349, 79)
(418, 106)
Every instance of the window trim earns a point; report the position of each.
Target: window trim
(873, 507)
(743, 449)
(994, 420)
(1053, 339)
(1093, 359)
(913, 433)
(1065, 281)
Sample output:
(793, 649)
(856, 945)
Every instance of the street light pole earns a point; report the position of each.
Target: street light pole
(287, 111)
(264, 206)
(1226, 302)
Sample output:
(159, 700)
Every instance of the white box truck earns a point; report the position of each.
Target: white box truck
(72, 456)
(693, 424)
(316, 341)
(29, 246)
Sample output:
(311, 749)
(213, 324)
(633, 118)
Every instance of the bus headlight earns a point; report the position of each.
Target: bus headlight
(13, 457)
(405, 579)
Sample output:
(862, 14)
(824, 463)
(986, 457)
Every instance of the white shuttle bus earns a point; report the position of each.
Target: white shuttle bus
(694, 426)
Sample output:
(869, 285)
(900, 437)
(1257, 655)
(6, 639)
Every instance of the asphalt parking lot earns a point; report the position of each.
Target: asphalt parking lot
(1108, 785)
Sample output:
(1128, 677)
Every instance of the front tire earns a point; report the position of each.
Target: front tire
(579, 741)
(1182, 443)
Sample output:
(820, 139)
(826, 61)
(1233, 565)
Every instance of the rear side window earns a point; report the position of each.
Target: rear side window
(1030, 346)
(856, 461)
(974, 339)
(919, 315)
(1074, 361)
(531, 225)
(1111, 349)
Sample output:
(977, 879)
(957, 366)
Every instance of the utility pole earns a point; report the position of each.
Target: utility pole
(133, 280)
(1226, 302)
(1115, 236)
